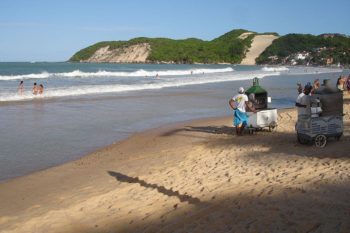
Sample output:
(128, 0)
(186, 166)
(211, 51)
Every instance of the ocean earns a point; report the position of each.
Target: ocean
(87, 106)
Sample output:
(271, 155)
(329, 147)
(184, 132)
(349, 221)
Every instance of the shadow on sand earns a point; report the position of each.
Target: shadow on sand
(282, 143)
(205, 129)
(288, 210)
(169, 192)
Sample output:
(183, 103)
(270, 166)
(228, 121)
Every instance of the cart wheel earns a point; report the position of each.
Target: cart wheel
(272, 126)
(320, 140)
(251, 131)
(302, 140)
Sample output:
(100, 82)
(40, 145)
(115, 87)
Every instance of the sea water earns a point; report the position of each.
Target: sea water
(88, 106)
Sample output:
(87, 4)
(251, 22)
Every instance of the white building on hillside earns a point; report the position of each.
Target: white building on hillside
(301, 56)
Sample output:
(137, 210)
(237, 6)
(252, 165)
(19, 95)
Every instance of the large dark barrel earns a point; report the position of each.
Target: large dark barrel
(331, 99)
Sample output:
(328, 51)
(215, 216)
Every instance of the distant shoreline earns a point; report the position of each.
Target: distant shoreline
(169, 63)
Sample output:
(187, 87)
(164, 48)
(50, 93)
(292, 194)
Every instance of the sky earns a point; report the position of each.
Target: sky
(53, 30)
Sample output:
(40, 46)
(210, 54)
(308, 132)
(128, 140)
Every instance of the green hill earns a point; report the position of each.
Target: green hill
(291, 49)
(324, 49)
(226, 48)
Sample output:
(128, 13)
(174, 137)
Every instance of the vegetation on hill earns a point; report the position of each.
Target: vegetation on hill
(291, 49)
(306, 49)
(226, 48)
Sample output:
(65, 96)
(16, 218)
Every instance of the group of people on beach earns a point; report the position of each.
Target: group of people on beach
(37, 89)
(241, 104)
(311, 88)
(343, 84)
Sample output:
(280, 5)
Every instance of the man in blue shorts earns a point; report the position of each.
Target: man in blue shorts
(239, 103)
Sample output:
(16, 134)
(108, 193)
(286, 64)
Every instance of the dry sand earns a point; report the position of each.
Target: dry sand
(259, 44)
(244, 35)
(192, 177)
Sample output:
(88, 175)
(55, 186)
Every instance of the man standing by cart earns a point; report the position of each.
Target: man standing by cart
(239, 103)
(303, 100)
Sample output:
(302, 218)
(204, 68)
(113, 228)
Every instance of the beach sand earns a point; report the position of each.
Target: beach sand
(191, 177)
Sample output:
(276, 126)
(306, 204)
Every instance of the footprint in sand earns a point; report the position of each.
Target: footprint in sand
(295, 177)
(270, 192)
(322, 175)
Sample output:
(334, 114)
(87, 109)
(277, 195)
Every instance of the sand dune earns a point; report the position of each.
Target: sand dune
(245, 35)
(192, 177)
(129, 54)
(259, 44)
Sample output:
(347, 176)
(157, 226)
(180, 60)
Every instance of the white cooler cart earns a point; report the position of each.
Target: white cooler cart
(264, 117)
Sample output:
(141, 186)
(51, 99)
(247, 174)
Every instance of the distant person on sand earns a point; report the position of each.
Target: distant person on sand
(340, 83)
(41, 89)
(348, 84)
(239, 103)
(300, 88)
(157, 75)
(302, 100)
(21, 88)
(35, 89)
(315, 86)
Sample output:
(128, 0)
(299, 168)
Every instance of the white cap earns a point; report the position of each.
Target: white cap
(241, 90)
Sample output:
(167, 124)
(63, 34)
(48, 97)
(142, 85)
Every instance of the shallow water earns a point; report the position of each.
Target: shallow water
(39, 132)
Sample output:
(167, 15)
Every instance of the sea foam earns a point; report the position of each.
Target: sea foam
(103, 73)
(167, 79)
(274, 69)
(116, 88)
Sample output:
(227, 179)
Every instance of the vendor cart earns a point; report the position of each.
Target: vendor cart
(323, 118)
(264, 117)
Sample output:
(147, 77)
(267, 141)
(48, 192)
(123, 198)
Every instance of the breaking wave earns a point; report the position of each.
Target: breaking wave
(116, 88)
(274, 69)
(103, 73)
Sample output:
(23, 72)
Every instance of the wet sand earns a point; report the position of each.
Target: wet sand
(192, 177)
